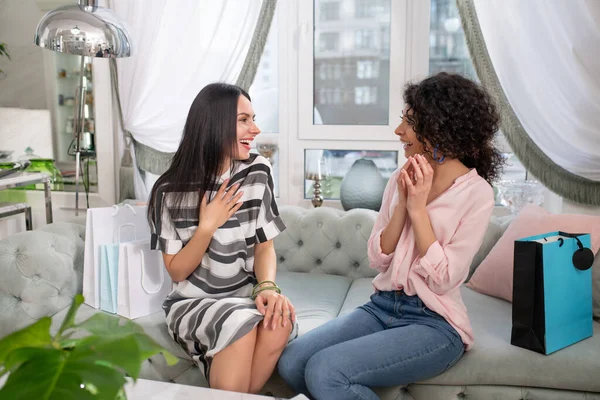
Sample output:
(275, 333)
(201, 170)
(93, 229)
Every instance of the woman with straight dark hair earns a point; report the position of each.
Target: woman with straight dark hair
(213, 215)
(434, 214)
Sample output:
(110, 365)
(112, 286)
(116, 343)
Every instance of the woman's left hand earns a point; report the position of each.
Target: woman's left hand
(418, 190)
(277, 309)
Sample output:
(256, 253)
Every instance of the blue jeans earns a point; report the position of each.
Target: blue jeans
(392, 340)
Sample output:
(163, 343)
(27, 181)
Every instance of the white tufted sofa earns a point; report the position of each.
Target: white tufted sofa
(323, 268)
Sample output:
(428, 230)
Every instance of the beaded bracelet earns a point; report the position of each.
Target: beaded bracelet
(255, 295)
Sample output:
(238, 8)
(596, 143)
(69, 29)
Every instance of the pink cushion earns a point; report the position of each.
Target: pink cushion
(494, 276)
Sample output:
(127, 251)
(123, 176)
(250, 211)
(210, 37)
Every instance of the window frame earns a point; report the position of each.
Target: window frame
(408, 36)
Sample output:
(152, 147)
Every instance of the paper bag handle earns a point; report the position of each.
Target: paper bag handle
(162, 277)
(116, 209)
(583, 258)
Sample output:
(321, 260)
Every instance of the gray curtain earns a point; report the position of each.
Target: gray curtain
(564, 183)
(157, 162)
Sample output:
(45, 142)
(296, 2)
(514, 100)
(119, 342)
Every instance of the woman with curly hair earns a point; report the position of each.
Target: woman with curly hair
(434, 214)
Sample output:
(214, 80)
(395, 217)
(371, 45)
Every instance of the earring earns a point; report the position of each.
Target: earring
(441, 159)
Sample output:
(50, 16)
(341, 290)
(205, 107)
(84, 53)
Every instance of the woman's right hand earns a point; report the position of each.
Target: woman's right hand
(213, 215)
(402, 190)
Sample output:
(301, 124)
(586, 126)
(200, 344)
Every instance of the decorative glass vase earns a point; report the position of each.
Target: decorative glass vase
(516, 194)
(362, 186)
(46, 165)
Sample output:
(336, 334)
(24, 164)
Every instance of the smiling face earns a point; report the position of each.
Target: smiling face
(246, 128)
(408, 136)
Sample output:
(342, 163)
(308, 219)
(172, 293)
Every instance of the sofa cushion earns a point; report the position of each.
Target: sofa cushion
(359, 293)
(317, 298)
(325, 240)
(494, 232)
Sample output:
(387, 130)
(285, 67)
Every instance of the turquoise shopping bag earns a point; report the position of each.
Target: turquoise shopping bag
(109, 269)
(552, 291)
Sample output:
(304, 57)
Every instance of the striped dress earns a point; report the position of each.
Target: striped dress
(212, 308)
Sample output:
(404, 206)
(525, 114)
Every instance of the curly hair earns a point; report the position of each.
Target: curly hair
(459, 117)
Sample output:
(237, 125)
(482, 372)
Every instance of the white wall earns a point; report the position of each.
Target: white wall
(23, 84)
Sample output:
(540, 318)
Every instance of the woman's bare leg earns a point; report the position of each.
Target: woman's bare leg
(269, 346)
(231, 367)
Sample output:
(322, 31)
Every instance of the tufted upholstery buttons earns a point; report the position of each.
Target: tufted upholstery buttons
(282, 259)
(356, 264)
(319, 262)
(336, 237)
(25, 264)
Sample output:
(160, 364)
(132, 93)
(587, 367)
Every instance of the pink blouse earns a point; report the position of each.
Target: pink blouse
(459, 218)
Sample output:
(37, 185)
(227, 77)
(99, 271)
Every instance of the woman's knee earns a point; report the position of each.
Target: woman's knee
(322, 371)
(273, 340)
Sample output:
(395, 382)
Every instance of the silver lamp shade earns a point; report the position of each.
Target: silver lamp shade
(84, 29)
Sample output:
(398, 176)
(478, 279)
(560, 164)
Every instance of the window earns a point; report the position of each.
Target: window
(364, 39)
(343, 56)
(448, 49)
(329, 11)
(365, 95)
(329, 41)
(333, 165)
(368, 8)
(367, 69)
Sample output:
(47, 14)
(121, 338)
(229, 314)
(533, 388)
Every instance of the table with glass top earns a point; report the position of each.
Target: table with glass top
(20, 179)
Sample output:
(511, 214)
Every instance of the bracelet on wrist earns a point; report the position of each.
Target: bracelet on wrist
(258, 288)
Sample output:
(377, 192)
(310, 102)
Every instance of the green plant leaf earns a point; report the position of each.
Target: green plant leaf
(35, 335)
(19, 356)
(109, 326)
(69, 320)
(120, 352)
(53, 374)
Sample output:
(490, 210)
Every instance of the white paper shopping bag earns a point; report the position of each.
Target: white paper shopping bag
(103, 226)
(143, 280)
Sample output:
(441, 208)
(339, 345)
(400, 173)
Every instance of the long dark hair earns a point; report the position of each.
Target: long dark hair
(458, 117)
(209, 140)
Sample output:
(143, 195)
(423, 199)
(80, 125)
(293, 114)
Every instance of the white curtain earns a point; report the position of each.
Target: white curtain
(178, 48)
(546, 55)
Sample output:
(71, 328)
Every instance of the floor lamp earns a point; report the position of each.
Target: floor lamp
(85, 30)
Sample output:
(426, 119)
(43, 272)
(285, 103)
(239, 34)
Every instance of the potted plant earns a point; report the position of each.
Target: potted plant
(3, 52)
(90, 360)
